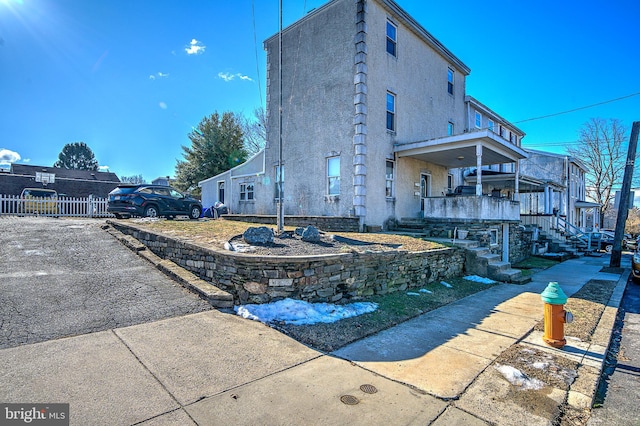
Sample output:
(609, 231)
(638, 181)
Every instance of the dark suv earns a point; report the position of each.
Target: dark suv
(152, 201)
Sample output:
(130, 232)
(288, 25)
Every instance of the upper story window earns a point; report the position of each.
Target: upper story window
(391, 111)
(478, 120)
(490, 125)
(389, 176)
(333, 176)
(450, 80)
(450, 129)
(246, 192)
(392, 31)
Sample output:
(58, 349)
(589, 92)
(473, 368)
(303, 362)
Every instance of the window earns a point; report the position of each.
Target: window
(449, 183)
(333, 176)
(391, 38)
(389, 179)
(279, 183)
(490, 125)
(501, 131)
(478, 120)
(450, 76)
(450, 129)
(246, 192)
(391, 111)
(221, 192)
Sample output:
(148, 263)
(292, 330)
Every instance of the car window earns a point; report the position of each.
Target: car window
(161, 191)
(38, 193)
(176, 194)
(123, 190)
(145, 190)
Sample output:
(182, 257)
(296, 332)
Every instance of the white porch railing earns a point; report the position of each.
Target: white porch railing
(13, 205)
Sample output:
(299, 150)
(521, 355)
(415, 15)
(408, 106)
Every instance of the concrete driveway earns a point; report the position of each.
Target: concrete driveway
(64, 277)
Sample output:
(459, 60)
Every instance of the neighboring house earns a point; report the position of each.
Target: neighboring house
(67, 182)
(376, 124)
(558, 188)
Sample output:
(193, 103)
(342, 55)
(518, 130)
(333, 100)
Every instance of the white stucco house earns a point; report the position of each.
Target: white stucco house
(376, 124)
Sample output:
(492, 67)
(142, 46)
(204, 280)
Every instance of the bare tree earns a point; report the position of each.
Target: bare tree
(255, 131)
(136, 179)
(602, 152)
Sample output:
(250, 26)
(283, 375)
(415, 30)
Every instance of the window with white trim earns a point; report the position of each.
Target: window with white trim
(478, 120)
(392, 42)
(450, 80)
(490, 125)
(389, 178)
(450, 129)
(391, 111)
(333, 176)
(449, 183)
(246, 191)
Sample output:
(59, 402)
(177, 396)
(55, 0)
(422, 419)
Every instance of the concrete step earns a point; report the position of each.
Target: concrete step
(500, 267)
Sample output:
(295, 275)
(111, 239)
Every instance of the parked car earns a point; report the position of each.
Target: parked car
(151, 201)
(635, 266)
(602, 240)
(38, 201)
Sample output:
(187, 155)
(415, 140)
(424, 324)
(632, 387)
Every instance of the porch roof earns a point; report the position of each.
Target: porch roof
(460, 150)
(507, 180)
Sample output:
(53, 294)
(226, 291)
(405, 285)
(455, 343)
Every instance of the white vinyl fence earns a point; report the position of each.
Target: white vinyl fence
(62, 206)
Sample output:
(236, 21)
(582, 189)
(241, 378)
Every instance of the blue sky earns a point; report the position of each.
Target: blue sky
(131, 77)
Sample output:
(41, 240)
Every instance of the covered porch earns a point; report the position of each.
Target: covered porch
(474, 149)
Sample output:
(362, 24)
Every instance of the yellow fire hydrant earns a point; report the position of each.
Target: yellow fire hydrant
(555, 316)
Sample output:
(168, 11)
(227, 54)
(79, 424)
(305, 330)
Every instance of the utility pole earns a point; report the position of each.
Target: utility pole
(623, 207)
(280, 171)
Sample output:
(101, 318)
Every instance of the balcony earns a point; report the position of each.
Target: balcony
(472, 207)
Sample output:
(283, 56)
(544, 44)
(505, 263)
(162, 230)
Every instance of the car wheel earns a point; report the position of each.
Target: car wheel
(118, 215)
(195, 212)
(608, 248)
(151, 211)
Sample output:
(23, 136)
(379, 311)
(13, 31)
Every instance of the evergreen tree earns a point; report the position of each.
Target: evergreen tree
(77, 156)
(217, 145)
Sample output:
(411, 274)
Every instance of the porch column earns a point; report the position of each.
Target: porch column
(479, 169)
(516, 184)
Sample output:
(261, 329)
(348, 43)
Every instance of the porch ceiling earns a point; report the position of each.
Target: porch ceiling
(460, 150)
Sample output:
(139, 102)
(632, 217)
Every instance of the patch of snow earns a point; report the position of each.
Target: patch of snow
(424, 290)
(298, 312)
(518, 378)
(446, 284)
(411, 293)
(540, 365)
(479, 279)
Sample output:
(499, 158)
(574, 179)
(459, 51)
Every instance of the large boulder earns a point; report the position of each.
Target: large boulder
(311, 234)
(258, 235)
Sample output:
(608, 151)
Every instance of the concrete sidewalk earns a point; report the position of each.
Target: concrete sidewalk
(217, 368)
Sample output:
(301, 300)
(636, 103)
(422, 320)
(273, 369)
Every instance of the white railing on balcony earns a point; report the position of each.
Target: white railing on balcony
(55, 207)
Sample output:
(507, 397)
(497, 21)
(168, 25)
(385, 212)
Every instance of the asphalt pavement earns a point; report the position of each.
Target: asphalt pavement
(216, 368)
(620, 389)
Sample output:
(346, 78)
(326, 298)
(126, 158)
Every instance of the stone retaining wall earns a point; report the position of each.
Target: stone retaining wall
(319, 278)
(324, 223)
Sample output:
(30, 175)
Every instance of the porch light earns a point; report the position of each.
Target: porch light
(460, 157)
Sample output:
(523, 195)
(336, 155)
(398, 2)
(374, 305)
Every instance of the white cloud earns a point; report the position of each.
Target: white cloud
(195, 47)
(229, 77)
(158, 75)
(8, 157)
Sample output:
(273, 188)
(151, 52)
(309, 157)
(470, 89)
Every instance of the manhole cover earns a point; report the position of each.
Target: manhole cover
(368, 389)
(349, 399)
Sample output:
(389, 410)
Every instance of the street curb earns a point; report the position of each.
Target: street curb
(216, 297)
(582, 391)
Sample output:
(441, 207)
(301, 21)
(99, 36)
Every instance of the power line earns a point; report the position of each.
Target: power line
(578, 109)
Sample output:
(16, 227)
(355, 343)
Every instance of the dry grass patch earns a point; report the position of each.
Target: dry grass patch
(217, 232)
